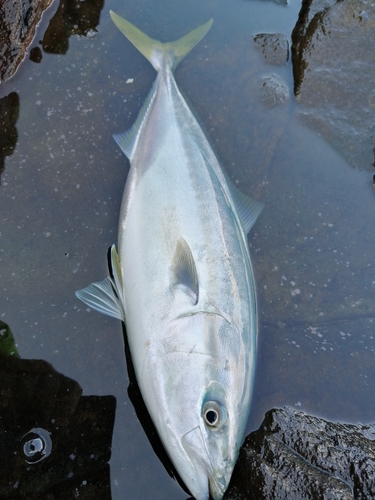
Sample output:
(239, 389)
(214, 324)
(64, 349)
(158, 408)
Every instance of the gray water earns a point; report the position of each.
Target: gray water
(312, 247)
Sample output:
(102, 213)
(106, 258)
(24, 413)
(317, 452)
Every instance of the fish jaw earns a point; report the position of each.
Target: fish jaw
(196, 477)
(211, 479)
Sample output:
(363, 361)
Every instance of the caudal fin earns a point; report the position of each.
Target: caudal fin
(158, 53)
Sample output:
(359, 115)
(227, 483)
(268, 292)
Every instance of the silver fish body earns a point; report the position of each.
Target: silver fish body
(182, 280)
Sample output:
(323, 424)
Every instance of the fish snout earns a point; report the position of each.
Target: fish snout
(207, 479)
(219, 481)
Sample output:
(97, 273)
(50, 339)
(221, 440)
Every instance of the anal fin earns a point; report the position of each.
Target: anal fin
(248, 209)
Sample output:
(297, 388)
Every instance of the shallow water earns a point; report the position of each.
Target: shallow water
(312, 247)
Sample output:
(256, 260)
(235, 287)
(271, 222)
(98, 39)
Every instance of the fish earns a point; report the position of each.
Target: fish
(182, 279)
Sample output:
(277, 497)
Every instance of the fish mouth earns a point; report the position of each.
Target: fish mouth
(218, 486)
(207, 481)
(193, 444)
(219, 479)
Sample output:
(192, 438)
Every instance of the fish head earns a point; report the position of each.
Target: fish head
(201, 400)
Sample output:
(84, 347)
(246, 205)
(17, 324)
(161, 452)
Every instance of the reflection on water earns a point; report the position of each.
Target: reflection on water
(54, 441)
(9, 112)
(312, 248)
(73, 17)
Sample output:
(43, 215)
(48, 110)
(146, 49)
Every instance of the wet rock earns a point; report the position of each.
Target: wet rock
(18, 21)
(36, 55)
(274, 47)
(9, 111)
(307, 13)
(333, 58)
(297, 456)
(274, 91)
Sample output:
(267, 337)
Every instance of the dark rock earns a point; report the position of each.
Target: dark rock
(298, 456)
(309, 9)
(9, 111)
(274, 47)
(18, 22)
(36, 55)
(333, 49)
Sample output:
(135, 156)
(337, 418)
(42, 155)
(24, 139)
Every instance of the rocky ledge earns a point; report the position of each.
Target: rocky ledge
(18, 22)
(298, 456)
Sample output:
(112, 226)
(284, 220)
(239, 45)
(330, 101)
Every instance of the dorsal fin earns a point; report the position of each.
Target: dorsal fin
(184, 271)
(127, 140)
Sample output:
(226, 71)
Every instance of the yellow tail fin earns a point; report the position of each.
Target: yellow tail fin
(158, 53)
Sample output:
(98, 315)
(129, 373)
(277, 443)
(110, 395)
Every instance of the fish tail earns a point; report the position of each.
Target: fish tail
(158, 53)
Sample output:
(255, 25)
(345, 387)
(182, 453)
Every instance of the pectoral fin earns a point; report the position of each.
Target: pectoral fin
(184, 272)
(102, 297)
(106, 296)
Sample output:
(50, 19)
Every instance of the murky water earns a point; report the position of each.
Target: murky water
(312, 247)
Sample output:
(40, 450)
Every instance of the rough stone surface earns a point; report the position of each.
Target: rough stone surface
(274, 47)
(298, 456)
(274, 91)
(18, 22)
(333, 53)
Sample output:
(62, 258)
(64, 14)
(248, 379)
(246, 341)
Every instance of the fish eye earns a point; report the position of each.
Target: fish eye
(214, 415)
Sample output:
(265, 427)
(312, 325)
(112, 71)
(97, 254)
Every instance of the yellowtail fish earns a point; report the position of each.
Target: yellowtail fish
(182, 280)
